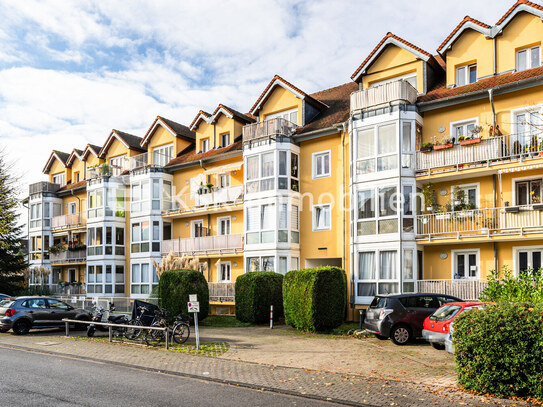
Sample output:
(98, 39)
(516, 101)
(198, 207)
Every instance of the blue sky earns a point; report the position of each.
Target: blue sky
(70, 71)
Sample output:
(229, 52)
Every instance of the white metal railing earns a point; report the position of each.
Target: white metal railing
(64, 221)
(68, 256)
(267, 128)
(205, 244)
(466, 289)
(378, 95)
(204, 198)
(156, 159)
(222, 291)
(486, 221)
(489, 149)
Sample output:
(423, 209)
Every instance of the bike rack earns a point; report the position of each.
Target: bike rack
(111, 326)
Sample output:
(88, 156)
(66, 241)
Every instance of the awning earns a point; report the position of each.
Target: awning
(224, 168)
(521, 168)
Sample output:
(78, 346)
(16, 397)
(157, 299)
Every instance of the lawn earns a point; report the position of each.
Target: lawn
(222, 321)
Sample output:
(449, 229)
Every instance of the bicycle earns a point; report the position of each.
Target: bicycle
(134, 333)
(179, 332)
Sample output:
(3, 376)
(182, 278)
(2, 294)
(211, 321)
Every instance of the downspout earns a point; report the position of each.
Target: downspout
(351, 232)
(491, 98)
(494, 222)
(79, 206)
(343, 196)
(494, 44)
(400, 193)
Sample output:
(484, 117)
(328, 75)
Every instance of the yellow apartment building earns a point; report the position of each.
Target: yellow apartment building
(423, 173)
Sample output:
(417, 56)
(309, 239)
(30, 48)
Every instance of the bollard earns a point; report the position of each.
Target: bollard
(271, 316)
(362, 316)
(110, 334)
(67, 329)
(167, 338)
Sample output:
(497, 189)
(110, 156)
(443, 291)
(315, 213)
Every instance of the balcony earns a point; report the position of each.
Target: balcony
(74, 221)
(222, 292)
(43, 186)
(69, 256)
(487, 152)
(204, 245)
(466, 289)
(68, 289)
(399, 91)
(269, 128)
(205, 200)
(487, 222)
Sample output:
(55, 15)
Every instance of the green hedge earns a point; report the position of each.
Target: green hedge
(499, 350)
(255, 292)
(315, 299)
(174, 288)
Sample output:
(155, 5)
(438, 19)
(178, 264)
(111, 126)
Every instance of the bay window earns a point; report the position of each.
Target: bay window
(140, 196)
(105, 278)
(376, 149)
(96, 204)
(140, 237)
(377, 211)
(261, 172)
(378, 272)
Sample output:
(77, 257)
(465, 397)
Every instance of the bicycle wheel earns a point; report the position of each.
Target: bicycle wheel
(152, 337)
(180, 333)
(133, 333)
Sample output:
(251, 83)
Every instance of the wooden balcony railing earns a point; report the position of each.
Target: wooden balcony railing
(488, 151)
(268, 128)
(465, 289)
(65, 221)
(222, 291)
(399, 91)
(69, 256)
(206, 244)
(481, 222)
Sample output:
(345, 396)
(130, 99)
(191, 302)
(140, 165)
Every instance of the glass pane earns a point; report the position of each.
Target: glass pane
(389, 288)
(523, 261)
(536, 260)
(387, 201)
(407, 209)
(388, 226)
(386, 139)
(268, 216)
(295, 237)
(294, 165)
(408, 264)
(366, 143)
(521, 60)
(283, 236)
(408, 225)
(365, 166)
(283, 216)
(366, 204)
(387, 163)
(406, 136)
(366, 266)
(365, 228)
(461, 76)
(388, 267)
(535, 57)
(408, 287)
(268, 237)
(366, 289)
(268, 263)
(282, 183)
(267, 165)
(472, 74)
(460, 266)
(252, 167)
(252, 238)
(282, 163)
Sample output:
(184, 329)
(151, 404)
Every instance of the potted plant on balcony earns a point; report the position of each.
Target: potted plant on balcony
(426, 147)
(472, 138)
(429, 196)
(57, 248)
(445, 144)
(106, 170)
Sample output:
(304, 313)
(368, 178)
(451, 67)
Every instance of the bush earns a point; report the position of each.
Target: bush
(315, 299)
(36, 290)
(174, 288)
(255, 292)
(504, 286)
(499, 350)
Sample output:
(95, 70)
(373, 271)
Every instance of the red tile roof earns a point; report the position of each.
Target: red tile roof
(238, 115)
(76, 185)
(190, 154)
(458, 27)
(518, 3)
(442, 92)
(309, 98)
(389, 35)
(201, 112)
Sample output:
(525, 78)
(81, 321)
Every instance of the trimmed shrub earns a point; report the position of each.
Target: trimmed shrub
(174, 288)
(315, 299)
(255, 292)
(504, 286)
(499, 350)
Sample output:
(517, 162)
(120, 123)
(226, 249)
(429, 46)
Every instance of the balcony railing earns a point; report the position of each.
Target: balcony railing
(399, 91)
(43, 186)
(142, 161)
(268, 128)
(222, 291)
(481, 222)
(69, 256)
(465, 289)
(66, 221)
(206, 244)
(487, 151)
(205, 199)
(69, 289)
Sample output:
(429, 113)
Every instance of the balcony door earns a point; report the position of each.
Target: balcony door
(465, 264)
(197, 228)
(529, 259)
(224, 226)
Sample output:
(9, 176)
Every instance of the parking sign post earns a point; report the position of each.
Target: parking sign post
(194, 306)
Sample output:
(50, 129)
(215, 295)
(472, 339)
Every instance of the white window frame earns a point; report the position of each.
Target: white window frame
(375, 156)
(377, 209)
(314, 216)
(223, 144)
(465, 187)
(204, 143)
(377, 271)
(466, 74)
(528, 58)
(517, 249)
(454, 253)
(284, 114)
(77, 176)
(192, 224)
(464, 124)
(408, 77)
(59, 179)
(316, 168)
(219, 225)
(140, 283)
(164, 154)
(117, 164)
(514, 182)
(220, 272)
(221, 177)
(72, 208)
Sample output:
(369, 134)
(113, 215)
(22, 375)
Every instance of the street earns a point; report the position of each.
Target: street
(34, 379)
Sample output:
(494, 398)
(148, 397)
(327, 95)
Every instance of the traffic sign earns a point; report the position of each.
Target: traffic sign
(193, 306)
(193, 298)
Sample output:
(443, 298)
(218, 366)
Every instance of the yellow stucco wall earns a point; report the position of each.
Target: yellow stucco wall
(279, 100)
(162, 137)
(116, 149)
(58, 168)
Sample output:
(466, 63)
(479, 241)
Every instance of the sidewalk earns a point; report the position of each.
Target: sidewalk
(340, 387)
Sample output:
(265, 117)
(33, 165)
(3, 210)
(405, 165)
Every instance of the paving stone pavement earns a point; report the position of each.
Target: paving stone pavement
(337, 387)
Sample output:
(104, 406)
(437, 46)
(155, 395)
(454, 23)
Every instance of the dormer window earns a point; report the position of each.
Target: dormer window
(528, 58)
(466, 74)
(59, 179)
(225, 140)
(205, 145)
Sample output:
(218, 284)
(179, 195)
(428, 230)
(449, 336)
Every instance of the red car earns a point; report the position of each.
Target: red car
(436, 326)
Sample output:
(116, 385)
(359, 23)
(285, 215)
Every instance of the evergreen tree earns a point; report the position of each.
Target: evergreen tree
(12, 261)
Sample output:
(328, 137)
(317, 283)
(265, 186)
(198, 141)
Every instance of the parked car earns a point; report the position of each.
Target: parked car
(400, 317)
(4, 296)
(24, 313)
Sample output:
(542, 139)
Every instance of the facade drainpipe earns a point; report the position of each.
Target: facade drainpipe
(495, 244)
(494, 43)
(491, 98)
(79, 206)
(400, 194)
(343, 192)
(351, 233)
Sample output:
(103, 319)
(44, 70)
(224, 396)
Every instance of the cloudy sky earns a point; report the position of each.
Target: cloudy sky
(70, 71)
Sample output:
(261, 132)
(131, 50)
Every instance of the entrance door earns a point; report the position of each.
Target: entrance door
(71, 276)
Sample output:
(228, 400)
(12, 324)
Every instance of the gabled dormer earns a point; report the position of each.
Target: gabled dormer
(165, 139)
(57, 168)
(395, 59)
(284, 100)
(91, 155)
(77, 165)
(118, 148)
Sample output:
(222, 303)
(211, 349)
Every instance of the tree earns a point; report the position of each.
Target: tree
(12, 260)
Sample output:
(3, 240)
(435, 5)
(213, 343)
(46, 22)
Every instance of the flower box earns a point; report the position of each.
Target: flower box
(443, 146)
(470, 141)
(426, 149)
(512, 209)
(538, 207)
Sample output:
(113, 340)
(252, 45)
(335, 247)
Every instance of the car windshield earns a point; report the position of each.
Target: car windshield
(445, 312)
(6, 303)
(378, 302)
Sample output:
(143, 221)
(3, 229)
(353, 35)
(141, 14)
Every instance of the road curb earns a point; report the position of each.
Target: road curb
(190, 375)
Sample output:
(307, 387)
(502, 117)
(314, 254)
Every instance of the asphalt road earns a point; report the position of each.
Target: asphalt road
(35, 379)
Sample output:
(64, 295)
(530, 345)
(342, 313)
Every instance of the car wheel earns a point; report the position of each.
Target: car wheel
(438, 346)
(381, 337)
(401, 335)
(21, 327)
